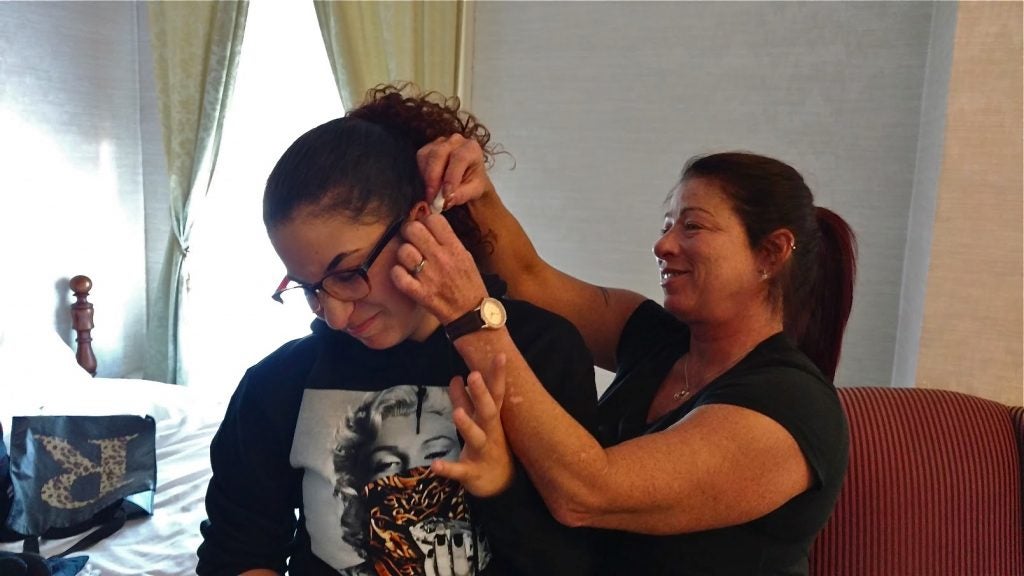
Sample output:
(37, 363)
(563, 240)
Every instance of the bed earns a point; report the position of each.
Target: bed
(39, 374)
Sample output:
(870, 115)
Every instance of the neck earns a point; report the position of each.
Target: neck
(712, 345)
(426, 327)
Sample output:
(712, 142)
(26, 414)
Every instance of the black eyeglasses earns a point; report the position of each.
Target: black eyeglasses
(349, 285)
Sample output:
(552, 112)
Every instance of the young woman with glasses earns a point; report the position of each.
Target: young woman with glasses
(346, 421)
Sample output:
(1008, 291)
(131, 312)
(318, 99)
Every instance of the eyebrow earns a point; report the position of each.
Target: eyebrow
(691, 209)
(337, 260)
(330, 266)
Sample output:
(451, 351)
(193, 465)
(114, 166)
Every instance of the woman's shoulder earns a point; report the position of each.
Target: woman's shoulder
(289, 356)
(779, 361)
(290, 362)
(781, 382)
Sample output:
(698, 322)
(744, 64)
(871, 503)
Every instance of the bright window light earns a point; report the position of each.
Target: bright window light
(283, 88)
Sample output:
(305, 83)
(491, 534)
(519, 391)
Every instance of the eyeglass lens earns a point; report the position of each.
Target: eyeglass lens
(346, 285)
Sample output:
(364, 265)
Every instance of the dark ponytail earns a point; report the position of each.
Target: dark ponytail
(819, 325)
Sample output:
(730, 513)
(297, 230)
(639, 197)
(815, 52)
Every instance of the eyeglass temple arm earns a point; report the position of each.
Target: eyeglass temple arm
(280, 288)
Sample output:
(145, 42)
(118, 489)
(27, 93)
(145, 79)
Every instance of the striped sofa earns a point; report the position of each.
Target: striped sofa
(933, 488)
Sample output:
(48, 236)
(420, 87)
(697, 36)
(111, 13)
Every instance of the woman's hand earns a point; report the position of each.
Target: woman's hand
(436, 271)
(453, 166)
(485, 465)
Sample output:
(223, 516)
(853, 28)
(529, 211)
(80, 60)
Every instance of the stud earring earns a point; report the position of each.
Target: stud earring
(792, 246)
(764, 274)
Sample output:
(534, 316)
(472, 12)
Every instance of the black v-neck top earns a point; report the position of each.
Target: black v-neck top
(774, 379)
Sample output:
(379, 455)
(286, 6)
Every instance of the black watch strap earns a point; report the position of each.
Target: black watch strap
(466, 324)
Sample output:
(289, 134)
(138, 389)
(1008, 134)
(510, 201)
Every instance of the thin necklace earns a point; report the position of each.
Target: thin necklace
(684, 392)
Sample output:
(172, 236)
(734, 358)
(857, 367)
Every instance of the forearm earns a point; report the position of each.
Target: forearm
(560, 456)
(598, 313)
(507, 250)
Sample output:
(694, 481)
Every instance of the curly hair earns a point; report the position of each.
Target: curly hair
(422, 117)
(364, 164)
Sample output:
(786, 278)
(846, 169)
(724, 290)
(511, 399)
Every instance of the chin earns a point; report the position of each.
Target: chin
(381, 341)
(681, 311)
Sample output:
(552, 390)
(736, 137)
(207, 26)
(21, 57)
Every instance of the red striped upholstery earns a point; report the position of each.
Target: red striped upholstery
(933, 487)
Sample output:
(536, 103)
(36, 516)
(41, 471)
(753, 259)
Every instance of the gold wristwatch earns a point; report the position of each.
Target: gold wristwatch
(490, 315)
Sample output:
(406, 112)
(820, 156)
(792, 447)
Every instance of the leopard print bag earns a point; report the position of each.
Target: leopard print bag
(69, 474)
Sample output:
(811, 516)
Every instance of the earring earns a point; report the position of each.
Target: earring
(792, 246)
(764, 274)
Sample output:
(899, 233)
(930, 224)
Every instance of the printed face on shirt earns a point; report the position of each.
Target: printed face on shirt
(398, 447)
(358, 447)
(312, 245)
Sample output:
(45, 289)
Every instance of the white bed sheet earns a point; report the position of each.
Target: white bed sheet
(186, 420)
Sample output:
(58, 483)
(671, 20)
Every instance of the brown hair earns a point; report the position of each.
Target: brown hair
(364, 164)
(815, 287)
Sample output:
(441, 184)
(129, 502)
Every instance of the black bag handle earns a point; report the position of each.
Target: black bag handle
(107, 522)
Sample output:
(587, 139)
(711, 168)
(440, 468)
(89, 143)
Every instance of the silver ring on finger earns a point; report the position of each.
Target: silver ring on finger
(419, 267)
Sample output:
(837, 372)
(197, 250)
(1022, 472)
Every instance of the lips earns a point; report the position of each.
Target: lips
(669, 274)
(362, 327)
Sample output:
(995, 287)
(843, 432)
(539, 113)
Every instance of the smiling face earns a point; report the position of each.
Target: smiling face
(311, 245)
(709, 273)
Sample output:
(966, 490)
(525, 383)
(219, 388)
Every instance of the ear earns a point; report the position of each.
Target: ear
(776, 249)
(419, 210)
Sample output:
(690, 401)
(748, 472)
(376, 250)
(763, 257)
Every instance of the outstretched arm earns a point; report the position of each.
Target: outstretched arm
(454, 167)
(721, 465)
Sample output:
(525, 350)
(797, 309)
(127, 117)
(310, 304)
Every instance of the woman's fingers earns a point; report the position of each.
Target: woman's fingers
(453, 166)
(479, 398)
(485, 463)
(465, 176)
(469, 429)
(457, 394)
(440, 231)
(433, 161)
(457, 471)
(435, 270)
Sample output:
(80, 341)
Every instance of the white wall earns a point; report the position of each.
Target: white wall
(601, 103)
(70, 171)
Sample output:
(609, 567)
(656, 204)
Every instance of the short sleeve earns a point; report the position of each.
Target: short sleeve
(805, 405)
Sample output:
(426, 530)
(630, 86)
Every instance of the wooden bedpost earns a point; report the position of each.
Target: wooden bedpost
(81, 321)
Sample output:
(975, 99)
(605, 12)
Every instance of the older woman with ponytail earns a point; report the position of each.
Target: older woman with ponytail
(723, 444)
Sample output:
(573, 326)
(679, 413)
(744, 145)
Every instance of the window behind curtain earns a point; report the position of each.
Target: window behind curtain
(284, 87)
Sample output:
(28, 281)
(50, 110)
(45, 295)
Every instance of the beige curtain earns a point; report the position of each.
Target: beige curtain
(371, 42)
(195, 55)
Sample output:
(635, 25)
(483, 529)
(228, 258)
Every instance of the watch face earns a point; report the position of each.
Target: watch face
(493, 313)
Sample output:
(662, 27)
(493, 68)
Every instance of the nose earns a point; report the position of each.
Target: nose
(335, 312)
(663, 247)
